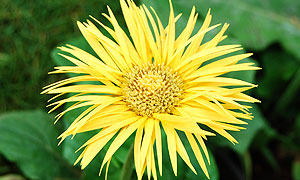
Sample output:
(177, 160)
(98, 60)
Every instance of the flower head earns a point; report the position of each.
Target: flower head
(153, 81)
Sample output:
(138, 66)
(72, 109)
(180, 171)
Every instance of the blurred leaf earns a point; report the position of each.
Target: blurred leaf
(290, 92)
(247, 161)
(29, 139)
(278, 69)
(11, 177)
(296, 170)
(255, 23)
(268, 133)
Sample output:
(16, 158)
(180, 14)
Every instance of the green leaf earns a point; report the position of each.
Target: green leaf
(271, 84)
(289, 93)
(254, 23)
(28, 138)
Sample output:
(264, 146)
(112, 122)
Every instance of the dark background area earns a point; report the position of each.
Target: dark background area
(30, 31)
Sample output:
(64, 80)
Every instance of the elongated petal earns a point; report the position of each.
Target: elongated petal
(171, 144)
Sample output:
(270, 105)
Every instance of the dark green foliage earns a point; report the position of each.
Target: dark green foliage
(29, 31)
(28, 138)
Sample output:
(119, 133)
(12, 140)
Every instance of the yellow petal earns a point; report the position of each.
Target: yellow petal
(218, 81)
(170, 132)
(226, 61)
(194, 65)
(197, 153)
(213, 43)
(93, 149)
(158, 145)
(202, 144)
(119, 140)
(225, 134)
(199, 56)
(183, 154)
(137, 150)
(149, 127)
(92, 61)
(110, 120)
(86, 89)
(107, 166)
(196, 43)
(148, 161)
(153, 166)
(116, 126)
(120, 38)
(170, 39)
(97, 47)
(222, 70)
(185, 60)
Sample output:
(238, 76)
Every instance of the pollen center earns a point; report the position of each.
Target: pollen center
(151, 89)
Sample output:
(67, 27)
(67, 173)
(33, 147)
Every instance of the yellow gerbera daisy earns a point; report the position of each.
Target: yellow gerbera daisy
(153, 81)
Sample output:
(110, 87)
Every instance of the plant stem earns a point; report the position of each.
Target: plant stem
(247, 165)
(128, 165)
(289, 93)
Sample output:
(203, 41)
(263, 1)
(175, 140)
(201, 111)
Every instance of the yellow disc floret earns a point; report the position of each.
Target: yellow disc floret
(151, 88)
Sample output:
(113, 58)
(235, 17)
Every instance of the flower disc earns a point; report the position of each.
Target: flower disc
(152, 89)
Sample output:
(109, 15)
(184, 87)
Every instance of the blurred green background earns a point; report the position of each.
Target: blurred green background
(30, 31)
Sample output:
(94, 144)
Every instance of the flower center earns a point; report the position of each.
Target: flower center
(151, 89)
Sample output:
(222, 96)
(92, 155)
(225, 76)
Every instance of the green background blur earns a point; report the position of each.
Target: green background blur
(31, 30)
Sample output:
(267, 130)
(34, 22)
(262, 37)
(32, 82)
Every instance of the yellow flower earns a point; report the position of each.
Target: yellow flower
(153, 81)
